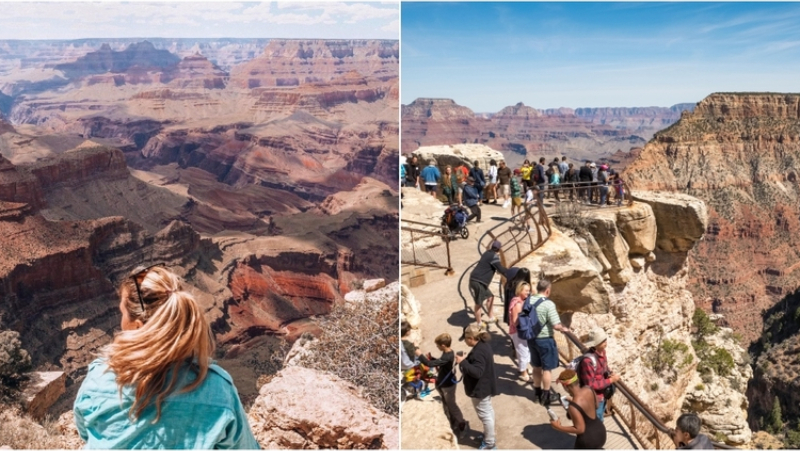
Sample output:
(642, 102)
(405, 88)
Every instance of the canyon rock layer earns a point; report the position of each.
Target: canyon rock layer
(738, 152)
(271, 199)
(520, 131)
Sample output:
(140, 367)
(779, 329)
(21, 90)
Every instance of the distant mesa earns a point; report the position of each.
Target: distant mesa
(522, 131)
(295, 62)
(142, 55)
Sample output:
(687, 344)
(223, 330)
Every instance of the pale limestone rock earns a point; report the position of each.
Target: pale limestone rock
(722, 403)
(577, 285)
(682, 219)
(452, 155)
(374, 284)
(302, 348)
(425, 426)
(637, 224)
(304, 408)
(603, 227)
(410, 309)
(650, 257)
(43, 391)
(637, 262)
(355, 296)
(421, 208)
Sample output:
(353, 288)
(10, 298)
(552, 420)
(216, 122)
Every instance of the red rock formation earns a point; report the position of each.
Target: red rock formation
(141, 56)
(195, 72)
(298, 62)
(521, 131)
(737, 152)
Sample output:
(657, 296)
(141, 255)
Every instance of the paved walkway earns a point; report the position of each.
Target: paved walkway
(520, 423)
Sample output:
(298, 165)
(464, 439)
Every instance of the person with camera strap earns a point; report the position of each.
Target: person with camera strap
(593, 368)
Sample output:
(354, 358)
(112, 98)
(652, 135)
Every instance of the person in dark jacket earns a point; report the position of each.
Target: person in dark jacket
(585, 176)
(481, 277)
(480, 383)
(571, 178)
(446, 381)
(513, 278)
(480, 179)
(412, 172)
(541, 179)
(471, 198)
(686, 434)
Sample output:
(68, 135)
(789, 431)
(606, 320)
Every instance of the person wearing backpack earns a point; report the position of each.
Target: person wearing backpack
(446, 381)
(593, 369)
(541, 179)
(523, 291)
(544, 353)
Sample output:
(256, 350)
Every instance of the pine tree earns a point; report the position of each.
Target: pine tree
(774, 421)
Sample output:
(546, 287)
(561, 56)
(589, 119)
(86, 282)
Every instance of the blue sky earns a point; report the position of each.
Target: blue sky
(182, 19)
(490, 55)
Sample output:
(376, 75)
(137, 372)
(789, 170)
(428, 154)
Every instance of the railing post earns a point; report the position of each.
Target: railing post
(449, 265)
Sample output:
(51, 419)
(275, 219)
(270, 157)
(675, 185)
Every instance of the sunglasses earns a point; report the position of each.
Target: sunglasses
(138, 274)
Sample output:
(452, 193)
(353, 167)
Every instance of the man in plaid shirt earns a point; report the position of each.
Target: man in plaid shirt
(593, 369)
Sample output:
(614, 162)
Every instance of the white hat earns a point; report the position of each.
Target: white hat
(595, 337)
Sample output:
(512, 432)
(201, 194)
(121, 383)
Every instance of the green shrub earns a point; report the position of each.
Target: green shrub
(703, 323)
(700, 387)
(717, 360)
(774, 421)
(14, 361)
(664, 359)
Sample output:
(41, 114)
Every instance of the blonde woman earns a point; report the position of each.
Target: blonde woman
(520, 346)
(155, 385)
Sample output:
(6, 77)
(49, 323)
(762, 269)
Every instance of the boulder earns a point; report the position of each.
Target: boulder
(305, 408)
(43, 391)
(373, 284)
(681, 219)
(410, 309)
(577, 285)
(457, 153)
(603, 227)
(637, 224)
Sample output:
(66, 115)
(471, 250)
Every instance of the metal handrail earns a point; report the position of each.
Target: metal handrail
(510, 240)
(446, 238)
(584, 185)
(634, 401)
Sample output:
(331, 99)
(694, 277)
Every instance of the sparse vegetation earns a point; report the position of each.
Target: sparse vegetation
(359, 344)
(703, 324)
(654, 386)
(21, 432)
(717, 360)
(774, 421)
(571, 215)
(792, 438)
(668, 358)
(720, 437)
(14, 361)
(700, 387)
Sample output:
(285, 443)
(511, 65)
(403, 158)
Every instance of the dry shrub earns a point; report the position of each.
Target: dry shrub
(359, 344)
(18, 431)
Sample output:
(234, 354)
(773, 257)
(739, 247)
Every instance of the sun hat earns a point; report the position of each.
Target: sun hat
(595, 337)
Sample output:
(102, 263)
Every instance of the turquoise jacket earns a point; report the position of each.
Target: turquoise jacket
(208, 417)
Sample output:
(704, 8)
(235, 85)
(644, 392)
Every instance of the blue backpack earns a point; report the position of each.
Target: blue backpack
(528, 326)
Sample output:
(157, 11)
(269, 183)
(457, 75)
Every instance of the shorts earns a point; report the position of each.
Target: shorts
(504, 190)
(479, 291)
(517, 201)
(430, 188)
(544, 353)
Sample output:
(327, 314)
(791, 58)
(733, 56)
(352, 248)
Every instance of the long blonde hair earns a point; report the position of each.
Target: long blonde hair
(174, 332)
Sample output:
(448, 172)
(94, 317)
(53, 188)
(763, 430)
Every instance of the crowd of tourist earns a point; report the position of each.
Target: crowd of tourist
(474, 186)
(533, 322)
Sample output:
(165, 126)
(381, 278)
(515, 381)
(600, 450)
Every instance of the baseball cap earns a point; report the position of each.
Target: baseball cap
(496, 245)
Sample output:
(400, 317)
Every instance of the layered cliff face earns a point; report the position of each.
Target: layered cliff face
(521, 131)
(626, 270)
(287, 62)
(737, 152)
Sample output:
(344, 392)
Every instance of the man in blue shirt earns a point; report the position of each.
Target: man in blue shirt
(430, 176)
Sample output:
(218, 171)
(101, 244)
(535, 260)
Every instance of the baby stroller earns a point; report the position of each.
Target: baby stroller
(454, 221)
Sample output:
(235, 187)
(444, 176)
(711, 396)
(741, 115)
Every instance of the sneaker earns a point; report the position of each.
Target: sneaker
(549, 397)
(484, 445)
(524, 377)
(491, 319)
